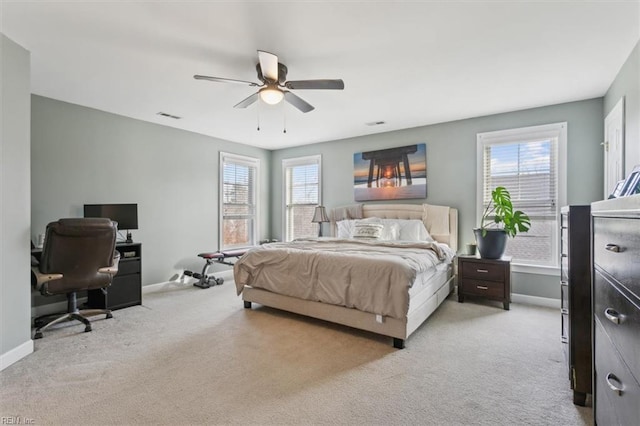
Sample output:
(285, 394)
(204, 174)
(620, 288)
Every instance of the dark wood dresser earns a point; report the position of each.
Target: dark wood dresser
(616, 310)
(575, 291)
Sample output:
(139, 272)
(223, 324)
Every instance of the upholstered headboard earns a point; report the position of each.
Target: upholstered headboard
(440, 221)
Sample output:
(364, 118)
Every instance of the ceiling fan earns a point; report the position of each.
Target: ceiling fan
(273, 87)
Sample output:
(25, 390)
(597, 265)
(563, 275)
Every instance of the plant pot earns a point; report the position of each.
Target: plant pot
(493, 244)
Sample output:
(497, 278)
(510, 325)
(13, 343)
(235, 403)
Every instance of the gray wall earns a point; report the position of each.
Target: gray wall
(81, 155)
(15, 203)
(627, 84)
(451, 167)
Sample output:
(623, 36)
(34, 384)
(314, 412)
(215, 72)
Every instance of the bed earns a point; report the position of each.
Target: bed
(393, 307)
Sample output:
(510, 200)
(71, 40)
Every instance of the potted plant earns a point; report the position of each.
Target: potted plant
(499, 221)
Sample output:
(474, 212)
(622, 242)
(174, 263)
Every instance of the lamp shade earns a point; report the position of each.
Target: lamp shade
(320, 215)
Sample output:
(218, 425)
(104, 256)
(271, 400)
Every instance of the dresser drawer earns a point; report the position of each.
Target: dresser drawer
(620, 317)
(483, 288)
(483, 271)
(564, 269)
(564, 298)
(616, 249)
(618, 393)
(126, 267)
(564, 237)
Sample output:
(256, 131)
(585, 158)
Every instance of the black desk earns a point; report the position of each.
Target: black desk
(126, 288)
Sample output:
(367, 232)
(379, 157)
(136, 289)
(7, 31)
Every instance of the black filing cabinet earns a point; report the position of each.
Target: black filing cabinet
(126, 288)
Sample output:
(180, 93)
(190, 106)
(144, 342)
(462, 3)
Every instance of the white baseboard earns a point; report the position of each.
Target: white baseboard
(16, 354)
(535, 300)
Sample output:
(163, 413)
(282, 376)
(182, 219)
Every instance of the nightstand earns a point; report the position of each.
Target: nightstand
(488, 278)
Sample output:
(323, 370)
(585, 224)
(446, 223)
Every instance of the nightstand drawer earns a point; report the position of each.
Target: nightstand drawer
(483, 288)
(483, 271)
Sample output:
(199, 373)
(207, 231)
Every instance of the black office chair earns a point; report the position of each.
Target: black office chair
(78, 254)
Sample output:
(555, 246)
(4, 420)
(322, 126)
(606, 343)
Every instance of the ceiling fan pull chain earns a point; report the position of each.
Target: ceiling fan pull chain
(258, 117)
(284, 118)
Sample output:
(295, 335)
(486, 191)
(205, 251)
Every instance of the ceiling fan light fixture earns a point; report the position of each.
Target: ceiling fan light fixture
(271, 95)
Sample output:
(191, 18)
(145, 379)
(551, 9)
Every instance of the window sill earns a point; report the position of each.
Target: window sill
(535, 269)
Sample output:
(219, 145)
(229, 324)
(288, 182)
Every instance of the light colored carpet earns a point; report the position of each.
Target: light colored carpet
(194, 356)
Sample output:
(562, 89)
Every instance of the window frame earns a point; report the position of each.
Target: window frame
(524, 134)
(292, 162)
(250, 162)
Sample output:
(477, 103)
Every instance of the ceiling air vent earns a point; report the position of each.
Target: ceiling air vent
(375, 123)
(164, 114)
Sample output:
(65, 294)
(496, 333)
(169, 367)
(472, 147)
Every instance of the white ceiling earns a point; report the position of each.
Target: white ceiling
(405, 63)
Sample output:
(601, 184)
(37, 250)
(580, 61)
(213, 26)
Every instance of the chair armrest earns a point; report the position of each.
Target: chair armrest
(113, 269)
(43, 278)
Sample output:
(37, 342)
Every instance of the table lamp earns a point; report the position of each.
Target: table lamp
(319, 216)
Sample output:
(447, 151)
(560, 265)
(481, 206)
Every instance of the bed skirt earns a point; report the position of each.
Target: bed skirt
(398, 329)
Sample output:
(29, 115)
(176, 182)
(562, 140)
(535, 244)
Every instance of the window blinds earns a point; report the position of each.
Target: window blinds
(302, 182)
(239, 181)
(528, 170)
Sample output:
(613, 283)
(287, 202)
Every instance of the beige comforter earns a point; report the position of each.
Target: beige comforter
(369, 276)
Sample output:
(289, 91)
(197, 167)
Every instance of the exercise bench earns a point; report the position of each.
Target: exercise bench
(206, 281)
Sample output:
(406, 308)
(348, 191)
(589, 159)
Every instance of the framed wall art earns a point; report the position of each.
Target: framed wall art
(632, 183)
(390, 174)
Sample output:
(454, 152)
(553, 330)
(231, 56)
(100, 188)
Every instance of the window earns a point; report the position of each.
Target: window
(238, 200)
(302, 194)
(530, 163)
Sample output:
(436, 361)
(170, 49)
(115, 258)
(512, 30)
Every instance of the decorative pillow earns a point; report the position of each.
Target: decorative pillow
(370, 230)
(390, 231)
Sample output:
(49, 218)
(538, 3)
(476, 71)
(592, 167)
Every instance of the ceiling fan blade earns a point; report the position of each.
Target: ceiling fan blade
(269, 65)
(298, 102)
(225, 80)
(247, 101)
(315, 84)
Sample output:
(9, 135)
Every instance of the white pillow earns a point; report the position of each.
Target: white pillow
(410, 229)
(391, 231)
(345, 228)
(369, 230)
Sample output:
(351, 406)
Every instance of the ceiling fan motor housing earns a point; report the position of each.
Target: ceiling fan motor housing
(282, 73)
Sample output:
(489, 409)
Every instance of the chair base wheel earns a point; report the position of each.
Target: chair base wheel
(219, 281)
(87, 329)
(109, 315)
(38, 335)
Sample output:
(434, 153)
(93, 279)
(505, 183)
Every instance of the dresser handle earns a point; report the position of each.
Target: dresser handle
(611, 377)
(484, 271)
(612, 315)
(482, 287)
(613, 247)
